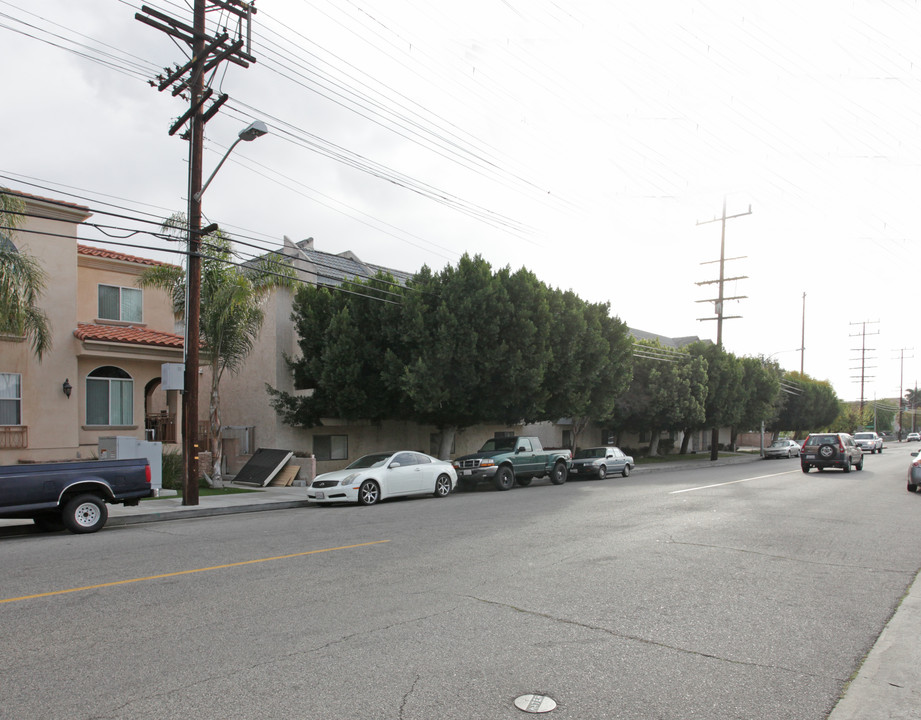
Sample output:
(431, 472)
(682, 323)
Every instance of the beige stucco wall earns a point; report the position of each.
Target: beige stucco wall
(56, 424)
(92, 271)
(51, 418)
(142, 367)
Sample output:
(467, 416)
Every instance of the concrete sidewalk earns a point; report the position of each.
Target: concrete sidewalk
(171, 508)
(887, 686)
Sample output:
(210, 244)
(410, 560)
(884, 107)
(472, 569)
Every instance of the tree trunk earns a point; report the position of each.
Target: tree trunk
(446, 441)
(733, 436)
(217, 480)
(715, 444)
(654, 443)
(685, 441)
(578, 426)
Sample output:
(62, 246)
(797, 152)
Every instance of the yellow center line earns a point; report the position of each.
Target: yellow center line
(731, 482)
(188, 572)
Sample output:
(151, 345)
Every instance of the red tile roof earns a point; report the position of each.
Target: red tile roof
(47, 200)
(112, 255)
(130, 335)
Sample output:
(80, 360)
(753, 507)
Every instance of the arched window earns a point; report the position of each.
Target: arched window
(109, 397)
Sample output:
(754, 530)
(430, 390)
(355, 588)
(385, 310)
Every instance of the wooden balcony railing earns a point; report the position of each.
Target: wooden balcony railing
(14, 437)
(163, 426)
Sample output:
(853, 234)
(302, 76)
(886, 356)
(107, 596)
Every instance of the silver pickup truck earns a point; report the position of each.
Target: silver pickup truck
(72, 495)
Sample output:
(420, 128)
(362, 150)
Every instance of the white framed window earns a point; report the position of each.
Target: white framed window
(10, 399)
(120, 303)
(331, 447)
(109, 397)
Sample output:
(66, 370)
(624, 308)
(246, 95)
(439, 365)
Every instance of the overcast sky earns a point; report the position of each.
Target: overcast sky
(588, 141)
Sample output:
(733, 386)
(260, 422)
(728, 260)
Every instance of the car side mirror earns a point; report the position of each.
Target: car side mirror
(609, 457)
(394, 465)
(521, 449)
(914, 454)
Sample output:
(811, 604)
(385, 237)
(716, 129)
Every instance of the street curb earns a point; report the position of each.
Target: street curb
(198, 512)
(694, 464)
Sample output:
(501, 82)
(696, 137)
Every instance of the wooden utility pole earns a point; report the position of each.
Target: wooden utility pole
(901, 387)
(863, 359)
(802, 346)
(207, 53)
(720, 300)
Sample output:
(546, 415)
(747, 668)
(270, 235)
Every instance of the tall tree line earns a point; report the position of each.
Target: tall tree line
(470, 345)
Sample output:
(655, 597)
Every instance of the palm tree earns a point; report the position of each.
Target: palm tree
(22, 281)
(231, 310)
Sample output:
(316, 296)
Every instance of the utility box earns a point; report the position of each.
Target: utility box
(126, 447)
(172, 376)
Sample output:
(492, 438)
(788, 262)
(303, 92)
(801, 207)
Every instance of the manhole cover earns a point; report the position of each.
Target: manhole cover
(535, 703)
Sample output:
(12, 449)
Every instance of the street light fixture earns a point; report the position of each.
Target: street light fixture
(252, 131)
(193, 300)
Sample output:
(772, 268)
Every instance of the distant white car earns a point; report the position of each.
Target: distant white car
(784, 447)
(382, 475)
(869, 442)
(913, 436)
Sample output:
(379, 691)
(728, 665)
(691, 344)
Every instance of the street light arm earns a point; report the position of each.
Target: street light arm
(204, 187)
(252, 131)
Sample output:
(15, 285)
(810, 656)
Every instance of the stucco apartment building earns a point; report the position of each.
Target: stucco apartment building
(102, 374)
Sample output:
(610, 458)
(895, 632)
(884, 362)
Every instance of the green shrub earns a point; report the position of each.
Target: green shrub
(172, 470)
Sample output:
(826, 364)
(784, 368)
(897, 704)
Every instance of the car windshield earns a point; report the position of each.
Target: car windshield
(504, 443)
(590, 453)
(368, 461)
(863, 436)
(779, 443)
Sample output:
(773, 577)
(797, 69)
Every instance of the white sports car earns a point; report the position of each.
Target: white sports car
(382, 475)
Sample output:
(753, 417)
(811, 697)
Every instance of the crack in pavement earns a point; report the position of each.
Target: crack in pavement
(895, 571)
(272, 661)
(647, 641)
(408, 694)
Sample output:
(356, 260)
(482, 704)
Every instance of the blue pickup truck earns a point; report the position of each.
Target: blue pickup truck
(72, 495)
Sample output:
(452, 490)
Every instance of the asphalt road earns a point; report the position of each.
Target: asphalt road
(749, 591)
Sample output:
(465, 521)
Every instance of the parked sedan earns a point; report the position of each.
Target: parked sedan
(599, 461)
(914, 472)
(383, 475)
(913, 437)
(782, 448)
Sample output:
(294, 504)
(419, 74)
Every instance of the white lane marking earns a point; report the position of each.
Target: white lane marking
(733, 482)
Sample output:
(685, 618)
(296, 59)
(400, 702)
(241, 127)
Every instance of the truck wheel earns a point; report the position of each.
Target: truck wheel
(524, 482)
(558, 474)
(84, 514)
(504, 479)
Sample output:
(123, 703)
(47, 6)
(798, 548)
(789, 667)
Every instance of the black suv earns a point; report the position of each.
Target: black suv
(825, 450)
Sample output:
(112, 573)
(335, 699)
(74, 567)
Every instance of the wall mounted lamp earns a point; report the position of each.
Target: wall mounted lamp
(67, 387)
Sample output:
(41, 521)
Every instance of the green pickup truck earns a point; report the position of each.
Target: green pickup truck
(509, 460)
